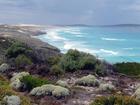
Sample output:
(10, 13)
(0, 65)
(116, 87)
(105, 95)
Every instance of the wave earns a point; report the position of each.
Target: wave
(109, 52)
(112, 39)
(128, 48)
(54, 36)
(74, 31)
(81, 46)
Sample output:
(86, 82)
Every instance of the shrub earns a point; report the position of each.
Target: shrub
(129, 68)
(101, 69)
(74, 60)
(43, 90)
(60, 92)
(89, 80)
(31, 82)
(87, 62)
(115, 100)
(11, 100)
(54, 60)
(17, 48)
(22, 60)
(15, 80)
(17, 84)
(106, 87)
(62, 83)
(19, 75)
(4, 67)
(56, 70)
(56, 91)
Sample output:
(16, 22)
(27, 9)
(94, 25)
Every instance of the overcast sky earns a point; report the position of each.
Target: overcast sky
(93, 12)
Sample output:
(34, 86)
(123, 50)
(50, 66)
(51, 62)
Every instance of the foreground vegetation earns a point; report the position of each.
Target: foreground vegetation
(115, 100)
(21, 71)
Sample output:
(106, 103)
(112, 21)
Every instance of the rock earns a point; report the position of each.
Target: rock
(11, 100)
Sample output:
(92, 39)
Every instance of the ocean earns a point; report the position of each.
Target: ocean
(112, 43)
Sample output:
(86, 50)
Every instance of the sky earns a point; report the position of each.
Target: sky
(64, 12)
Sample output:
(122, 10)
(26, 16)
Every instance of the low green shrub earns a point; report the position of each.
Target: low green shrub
(88, 62)
(54, 60)
(22, 60)
(101, 69)
(56, 70)
(32, 82)
(17, 48)
(74, 60)
(115, 100)
(129, 68)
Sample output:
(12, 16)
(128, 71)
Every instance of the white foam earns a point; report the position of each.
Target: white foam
(54, 36)
(74, 31)
(81, 46)
(109, 51)
(112, 39)
(128, 48)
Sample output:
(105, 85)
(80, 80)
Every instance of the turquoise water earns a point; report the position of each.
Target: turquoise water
(113, 44)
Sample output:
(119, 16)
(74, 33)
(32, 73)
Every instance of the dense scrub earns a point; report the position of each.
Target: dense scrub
(75, 60)
(115, 100)
(32, 82)
(18, 48)
(129, 68)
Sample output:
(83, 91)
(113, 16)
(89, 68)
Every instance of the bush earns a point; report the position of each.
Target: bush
(129, 68)
(89, 80)
(74, 60)
(56, 70)
(17, 48)
(106, 87)
(54, 60)
(15, 80)
(60, 92)
(56, 91)
(115, 100)
(101, 69)
(22, 60)
(62, 83)
(31, 82)
(11, 100)
(87, 62)
(19, 76)
(4, 67)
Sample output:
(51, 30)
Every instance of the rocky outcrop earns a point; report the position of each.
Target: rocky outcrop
(10, 34)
